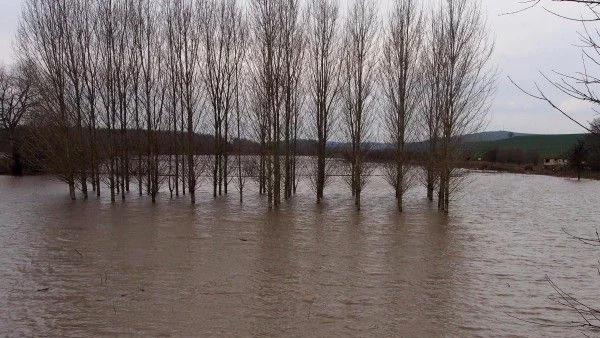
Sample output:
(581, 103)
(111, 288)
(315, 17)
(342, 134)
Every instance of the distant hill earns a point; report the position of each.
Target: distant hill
(486, 136)
(479, 143)
(489, 136)
(544, 145)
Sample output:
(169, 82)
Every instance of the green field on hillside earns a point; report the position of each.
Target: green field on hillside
(545, 145)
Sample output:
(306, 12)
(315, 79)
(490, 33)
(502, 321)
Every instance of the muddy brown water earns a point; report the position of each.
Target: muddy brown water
(221, 269)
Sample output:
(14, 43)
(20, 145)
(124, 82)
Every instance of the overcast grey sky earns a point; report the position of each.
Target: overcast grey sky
(526, 44)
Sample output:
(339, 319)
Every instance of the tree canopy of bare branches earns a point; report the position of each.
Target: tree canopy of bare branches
(276, 69)
(462, 83)
(323, 72)
(128, 91)
(359, 71)
(16, 97)
(224, 33)
(402, 83)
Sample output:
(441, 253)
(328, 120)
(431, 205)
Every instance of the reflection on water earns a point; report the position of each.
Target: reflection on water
(223, 269)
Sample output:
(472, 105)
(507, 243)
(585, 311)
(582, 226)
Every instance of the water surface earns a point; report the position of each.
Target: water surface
(221, 269)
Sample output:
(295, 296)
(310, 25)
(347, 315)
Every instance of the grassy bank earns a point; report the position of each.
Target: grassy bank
(544, 145)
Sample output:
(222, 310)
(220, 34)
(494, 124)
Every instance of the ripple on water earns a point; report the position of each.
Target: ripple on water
(225, 269)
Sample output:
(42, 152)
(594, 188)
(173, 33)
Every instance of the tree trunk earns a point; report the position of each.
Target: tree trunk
(320, 173)
(191, 169)
(72, 189)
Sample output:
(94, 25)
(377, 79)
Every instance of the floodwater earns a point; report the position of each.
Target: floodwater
(221, 269)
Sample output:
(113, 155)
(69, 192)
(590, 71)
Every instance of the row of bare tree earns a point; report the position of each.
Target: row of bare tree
(112, 78)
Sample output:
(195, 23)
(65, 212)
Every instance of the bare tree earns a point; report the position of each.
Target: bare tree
(401, 82)
(172, 14)
(153, 86)
(72, 47)
(267, 83)
(124, 72)
(577, 157)
(110, 32)
(16, 96)
(98, 68)
(136, 95)
(359, 67)
(240, 124)
(323, 72)
(466, 86)
(223, 51)
(581, 85)
(525, 5)
(188, 35)
(431, 104)
(240, 98)
(89, 44)
(42, 38)
(293, 44)
(258, 122)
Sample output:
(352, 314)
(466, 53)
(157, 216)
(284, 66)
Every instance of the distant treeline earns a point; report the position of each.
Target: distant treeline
(202, 144)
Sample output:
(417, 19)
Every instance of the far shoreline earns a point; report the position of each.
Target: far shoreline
(537, 170)
(479, 166)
